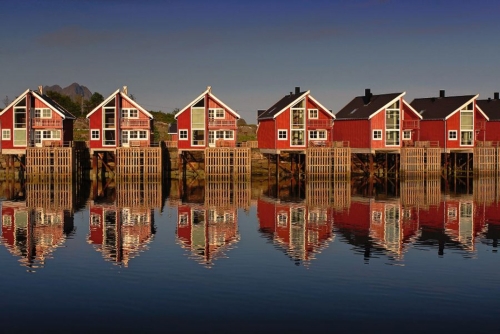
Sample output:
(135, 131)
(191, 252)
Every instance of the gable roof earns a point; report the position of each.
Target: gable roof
(362, 108)
(490, 107)
(124, 96)
(53, 105)
(441, 108)
(286, 102)
(19, 98)
(209, 92)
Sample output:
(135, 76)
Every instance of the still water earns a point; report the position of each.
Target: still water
(345, 256)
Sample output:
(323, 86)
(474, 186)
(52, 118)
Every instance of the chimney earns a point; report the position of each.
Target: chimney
(442, 93)
(125, 90)
(297, 90)
(40, 89)
(367, 96)
(496, 95)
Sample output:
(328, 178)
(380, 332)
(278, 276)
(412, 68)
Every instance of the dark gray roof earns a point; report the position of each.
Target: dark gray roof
(439, 107)
(55, 105)
(362, 107)
(491, 108)
(278, 106)
(172, 128)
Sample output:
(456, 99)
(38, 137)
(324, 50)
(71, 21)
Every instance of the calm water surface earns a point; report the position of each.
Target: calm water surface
(409, 256)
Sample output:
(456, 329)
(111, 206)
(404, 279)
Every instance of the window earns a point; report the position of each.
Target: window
(377, 216)
(56, 134)
(282, 219)
(392, 124)
(216, 113)
(377, 134)
(130, 113)
(143, 134)
(183, 219)
(6, 220)
(5, 134)
(406, 135)
(43, 113)
(317, 134)
(229, 135)
(467, 125)
(282, 134)
(313, 113)
(452, 135)
(183, 134)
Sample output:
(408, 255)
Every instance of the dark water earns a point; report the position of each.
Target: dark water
(353, 256)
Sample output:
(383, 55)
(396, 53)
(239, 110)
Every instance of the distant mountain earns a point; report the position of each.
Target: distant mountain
(72, 91)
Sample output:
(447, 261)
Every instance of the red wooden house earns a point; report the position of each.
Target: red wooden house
(453, 123)
(491, 107)
(300, 231)
(293, 123)
(372, 123)
(34, 119)
(119, 121)
(206, 122)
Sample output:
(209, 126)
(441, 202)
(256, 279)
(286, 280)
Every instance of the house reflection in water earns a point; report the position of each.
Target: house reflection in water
(33, 226)
(207, 223)
(122, 219)
(299, 219)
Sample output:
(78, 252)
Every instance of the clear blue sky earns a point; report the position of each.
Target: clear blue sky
(251, 52)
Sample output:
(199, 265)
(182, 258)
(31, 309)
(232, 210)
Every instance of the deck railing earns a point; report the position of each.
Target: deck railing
(250, 143)
(324, 143)
(170, 143)
(323, 123)
(46, 123)
(216, 123)
(411, 124)
(134, 123)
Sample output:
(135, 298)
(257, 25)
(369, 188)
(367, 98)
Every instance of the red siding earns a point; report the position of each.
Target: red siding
(433, 130)
(356, 132)
(266, 135)
(95, 123)
(378, 123)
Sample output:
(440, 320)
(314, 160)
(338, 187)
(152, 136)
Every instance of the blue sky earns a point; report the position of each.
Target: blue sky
(251, 53)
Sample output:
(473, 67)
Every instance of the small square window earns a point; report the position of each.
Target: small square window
(282, 135)
(94, 134)
(313, 113)
(377, 134)
(5, 134)
(143, 135)
(282, 219)
(452, 135)
(406, 135)
(229, 135)
(183, 134)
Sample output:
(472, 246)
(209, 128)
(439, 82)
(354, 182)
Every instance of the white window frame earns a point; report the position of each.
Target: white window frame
(455, 132)
(406, 133)
(313, 113)
(41, 113)
(186, 132)
(127, 113)
(283, 131)
(462, 130)
(5, 134)
(282, 219)
(318, 135)
(228, 134)
(216, 113)
(377, 131)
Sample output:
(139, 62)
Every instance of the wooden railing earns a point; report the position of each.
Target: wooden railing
(426, 144)
(215, 123)
(250, 143)
(134, 123)
(47, 123)
(411, 124)
(323, 123)
(324, 143)
(487, 144)
(170, 143)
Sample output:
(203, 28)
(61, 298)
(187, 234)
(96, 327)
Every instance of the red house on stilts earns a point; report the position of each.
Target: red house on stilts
(34, 120)
(119, 121)
(206, 122)
(454, 123)
(294, 123)
(377, 123)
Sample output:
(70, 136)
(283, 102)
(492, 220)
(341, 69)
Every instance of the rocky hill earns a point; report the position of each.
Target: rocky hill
(72, 91)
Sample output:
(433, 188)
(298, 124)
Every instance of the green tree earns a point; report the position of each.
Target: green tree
(95, 100)
(66, 102)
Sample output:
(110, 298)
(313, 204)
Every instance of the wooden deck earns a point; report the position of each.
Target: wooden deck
(220, 161)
